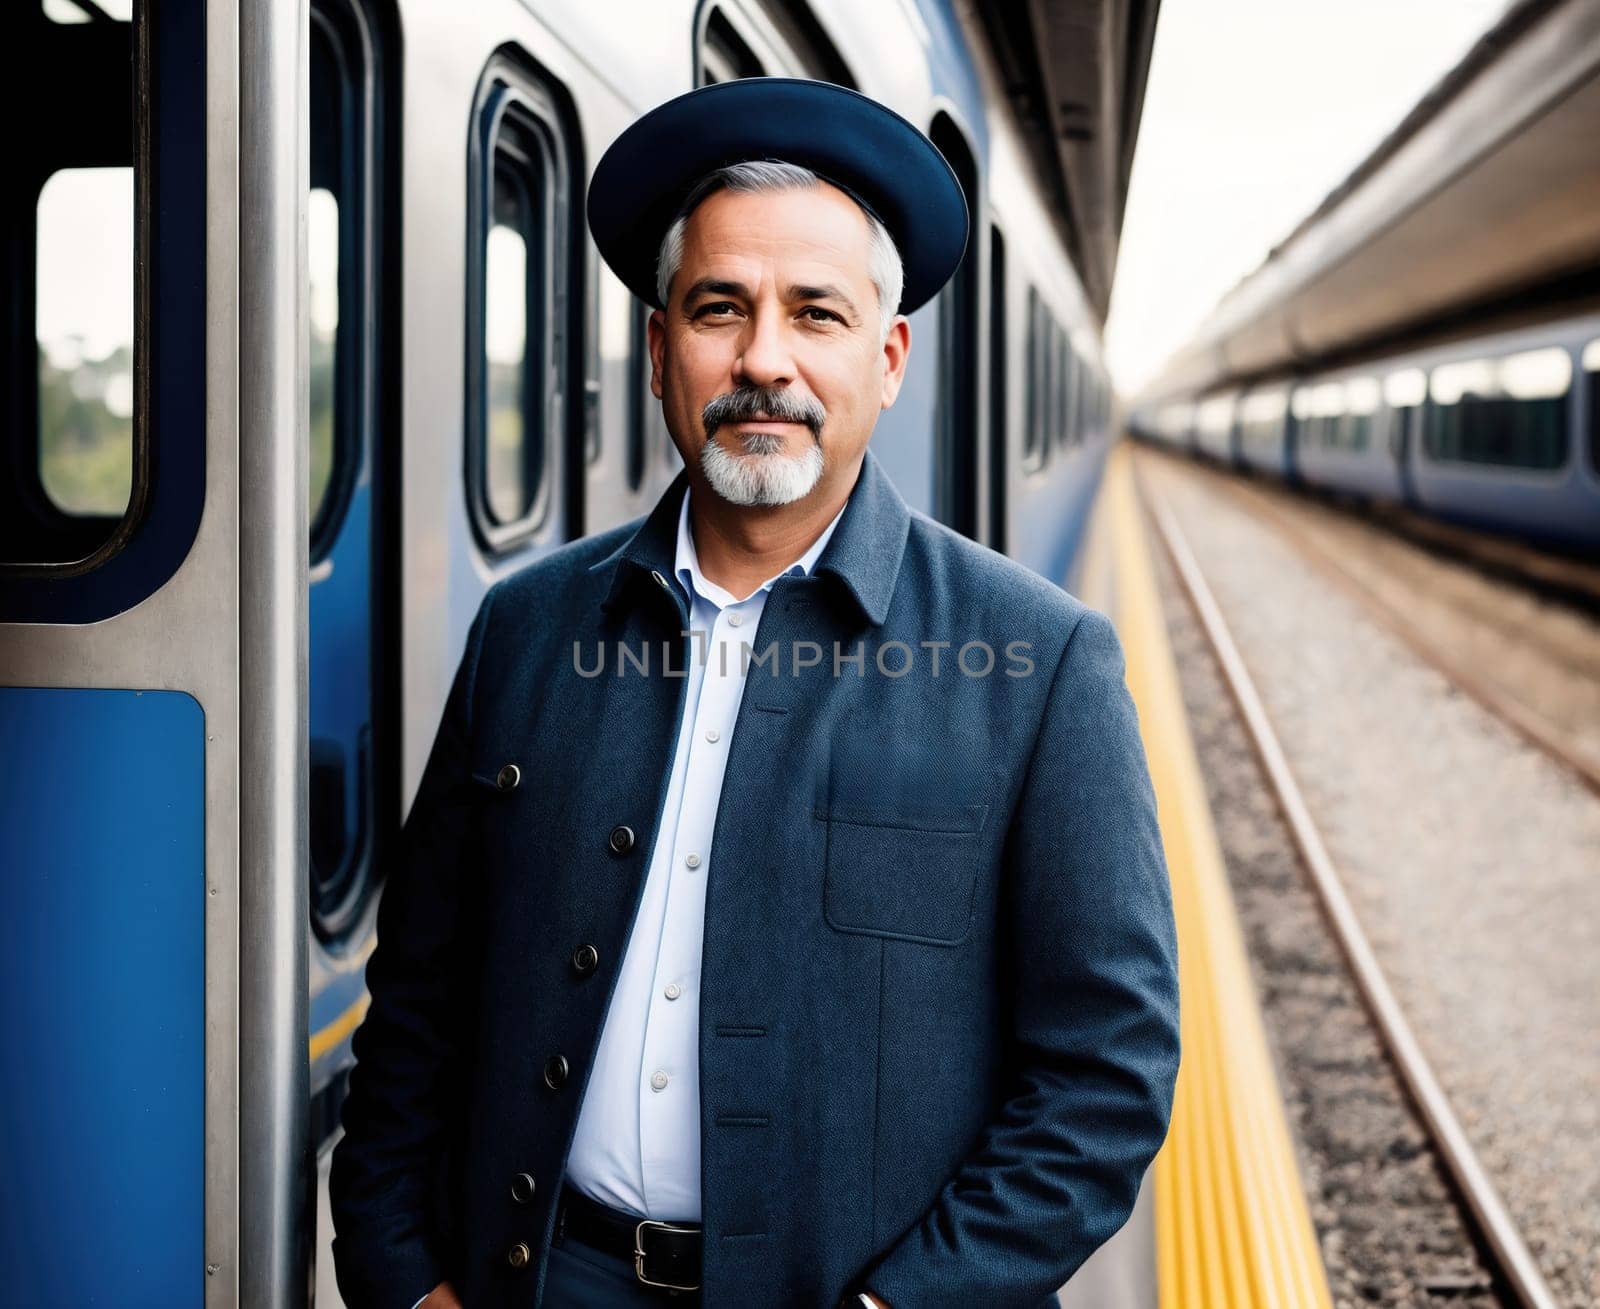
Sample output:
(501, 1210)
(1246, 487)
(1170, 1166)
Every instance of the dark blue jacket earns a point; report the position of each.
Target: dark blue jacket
(938, 1010)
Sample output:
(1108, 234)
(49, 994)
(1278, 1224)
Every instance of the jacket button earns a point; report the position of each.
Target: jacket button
(522, 1188)
(621, 839)
(584, 959)
(518, 1256)
(555, 1071)
(508, 777)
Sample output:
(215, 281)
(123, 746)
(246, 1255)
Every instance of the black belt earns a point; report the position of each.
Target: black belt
(663, 1254)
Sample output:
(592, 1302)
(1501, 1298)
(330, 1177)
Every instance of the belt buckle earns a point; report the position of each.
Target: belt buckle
(638, 1253)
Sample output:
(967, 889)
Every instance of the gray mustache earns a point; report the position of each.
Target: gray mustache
(754, 402)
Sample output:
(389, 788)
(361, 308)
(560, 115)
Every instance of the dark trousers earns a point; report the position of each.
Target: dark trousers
(581, 1277)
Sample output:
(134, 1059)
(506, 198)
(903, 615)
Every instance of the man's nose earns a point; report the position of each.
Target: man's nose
(764, 359)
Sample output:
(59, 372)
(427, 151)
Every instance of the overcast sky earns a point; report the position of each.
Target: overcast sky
(1255, 110)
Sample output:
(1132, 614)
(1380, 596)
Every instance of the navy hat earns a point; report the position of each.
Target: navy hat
(862, 147)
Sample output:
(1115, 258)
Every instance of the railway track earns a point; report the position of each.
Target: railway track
(1532, 727)
(1502, 1242)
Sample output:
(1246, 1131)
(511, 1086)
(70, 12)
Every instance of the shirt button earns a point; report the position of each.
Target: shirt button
(658, 1080)
(673, 990)
(734, 620)
(693, 860)
(713, 735)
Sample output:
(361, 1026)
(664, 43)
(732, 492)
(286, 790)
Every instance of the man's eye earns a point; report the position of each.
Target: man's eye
(716, 304)
(826, 313)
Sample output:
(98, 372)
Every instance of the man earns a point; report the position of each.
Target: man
(782, 917)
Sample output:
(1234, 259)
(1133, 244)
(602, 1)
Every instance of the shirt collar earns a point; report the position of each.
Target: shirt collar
(687, 564)
(863, 554)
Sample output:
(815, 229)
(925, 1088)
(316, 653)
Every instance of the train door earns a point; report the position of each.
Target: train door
(152, 655)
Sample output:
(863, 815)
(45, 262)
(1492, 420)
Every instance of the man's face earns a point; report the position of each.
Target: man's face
(773, 308)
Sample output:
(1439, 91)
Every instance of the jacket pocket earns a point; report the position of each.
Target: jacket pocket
(908, 872)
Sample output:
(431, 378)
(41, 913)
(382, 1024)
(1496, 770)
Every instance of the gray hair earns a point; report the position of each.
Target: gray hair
(766, 175)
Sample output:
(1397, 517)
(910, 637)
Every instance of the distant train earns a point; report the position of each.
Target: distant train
(1499, 432)
(308, 347)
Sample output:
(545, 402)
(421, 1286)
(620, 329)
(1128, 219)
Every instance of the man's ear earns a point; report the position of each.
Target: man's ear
(656, 334)
(896, 350)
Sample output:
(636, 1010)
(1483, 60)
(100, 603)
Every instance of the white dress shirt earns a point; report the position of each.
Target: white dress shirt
(637, 1142)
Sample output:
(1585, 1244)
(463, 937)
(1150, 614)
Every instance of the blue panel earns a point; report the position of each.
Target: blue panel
(102, 997)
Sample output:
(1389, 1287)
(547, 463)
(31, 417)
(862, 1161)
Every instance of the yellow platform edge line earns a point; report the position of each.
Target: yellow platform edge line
(1232, 1227)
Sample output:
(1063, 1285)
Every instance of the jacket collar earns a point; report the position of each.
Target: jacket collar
(863, 553)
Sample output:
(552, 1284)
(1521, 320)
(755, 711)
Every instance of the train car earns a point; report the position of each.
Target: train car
(1433, 315)
(309, 347)
(1508, 437)
(1496, 432)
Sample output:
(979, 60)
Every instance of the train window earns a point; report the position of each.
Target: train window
(515, 443)
(1046, 383)
(1059, 359)
(999, 390)
(346, 103)
(1033, 385)
(1361, 398)
(1072, 393)
(957, 417)
(518, 298)
(1172, 422)
(104, 226)
(639, 395)
(1261, 415)
(84, 329)
(350, 275)
(724, 55)
(776, 36)
(1403, 392)
(1537, 374)
(1214, 416)
(1509, 413)
(1591, 370)
(322, 303)
(1406, 388)
(76, 11)
(1318, 410)
(648, 436)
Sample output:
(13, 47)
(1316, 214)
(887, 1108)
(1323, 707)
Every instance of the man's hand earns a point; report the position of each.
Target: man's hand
(442, 1296)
